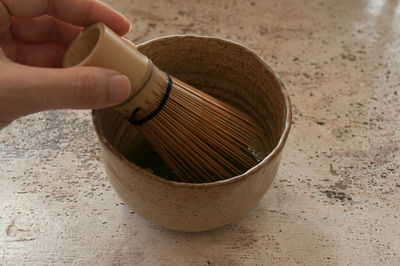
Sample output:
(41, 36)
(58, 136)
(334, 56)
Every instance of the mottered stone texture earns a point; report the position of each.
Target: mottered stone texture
(335, 200)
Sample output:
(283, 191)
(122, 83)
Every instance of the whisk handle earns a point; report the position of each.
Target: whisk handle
(98, 45)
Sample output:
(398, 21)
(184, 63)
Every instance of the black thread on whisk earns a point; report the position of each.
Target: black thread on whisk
(157, 110)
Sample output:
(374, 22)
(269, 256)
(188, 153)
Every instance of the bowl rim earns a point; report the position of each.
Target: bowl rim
(271, 156)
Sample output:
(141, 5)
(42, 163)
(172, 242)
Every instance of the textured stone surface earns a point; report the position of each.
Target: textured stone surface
(335, 200)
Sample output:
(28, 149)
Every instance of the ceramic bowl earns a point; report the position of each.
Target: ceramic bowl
(225, 70)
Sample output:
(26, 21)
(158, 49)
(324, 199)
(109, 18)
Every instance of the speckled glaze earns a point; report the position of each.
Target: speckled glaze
(232, 73)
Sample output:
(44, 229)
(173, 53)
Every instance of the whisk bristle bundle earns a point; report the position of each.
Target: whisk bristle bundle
(201, 138)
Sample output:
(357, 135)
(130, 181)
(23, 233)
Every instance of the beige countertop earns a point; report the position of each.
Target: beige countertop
(335, 200)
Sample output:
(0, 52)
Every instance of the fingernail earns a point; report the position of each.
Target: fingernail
(119, 88)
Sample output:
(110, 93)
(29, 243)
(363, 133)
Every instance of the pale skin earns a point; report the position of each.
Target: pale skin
(34, 35)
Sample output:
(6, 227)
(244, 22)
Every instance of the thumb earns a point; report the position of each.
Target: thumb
(38, 89)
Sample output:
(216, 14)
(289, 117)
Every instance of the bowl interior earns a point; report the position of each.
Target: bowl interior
(222, 69)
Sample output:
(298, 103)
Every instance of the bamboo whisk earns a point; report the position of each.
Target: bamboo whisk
(200, 138)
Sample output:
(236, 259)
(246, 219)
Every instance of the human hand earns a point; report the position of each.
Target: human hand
(34, 35)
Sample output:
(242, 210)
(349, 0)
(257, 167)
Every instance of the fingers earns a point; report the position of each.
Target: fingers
(4, 19)
(7, 43)
(83, 88)
(27, 90)
(77, 12)
(43, 55)
(40, 55)
(44, 29)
